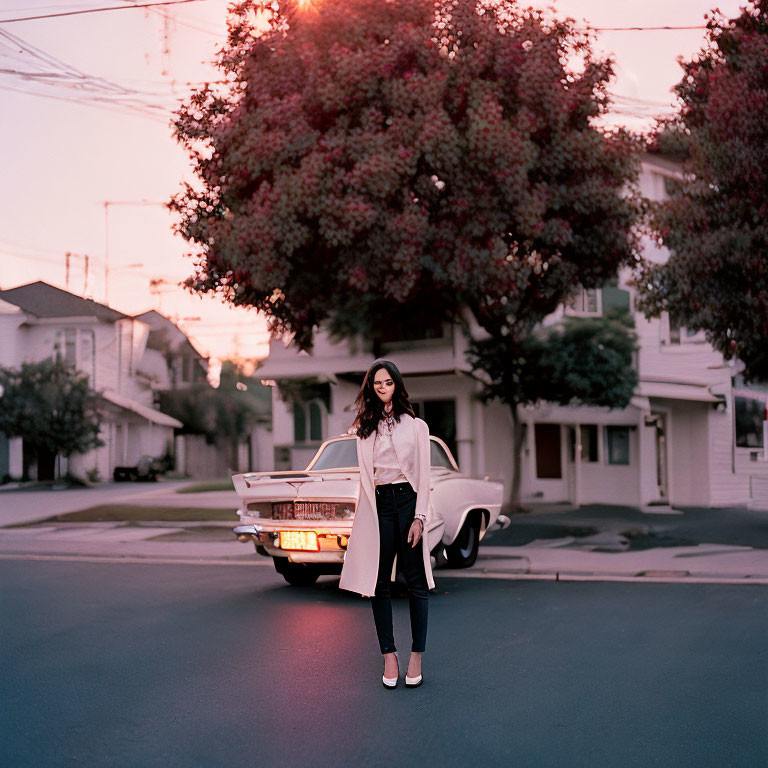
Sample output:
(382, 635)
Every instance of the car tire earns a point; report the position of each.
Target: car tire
(463, 552)
(296, 574)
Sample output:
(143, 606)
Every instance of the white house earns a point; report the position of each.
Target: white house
(170, 360)
(692, 435)
(39, 321)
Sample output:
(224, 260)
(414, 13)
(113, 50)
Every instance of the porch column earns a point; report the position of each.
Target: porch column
(577, 467)
(464, 435)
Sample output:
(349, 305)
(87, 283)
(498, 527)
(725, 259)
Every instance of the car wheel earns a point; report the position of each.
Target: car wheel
(296, 574)
(463, 552)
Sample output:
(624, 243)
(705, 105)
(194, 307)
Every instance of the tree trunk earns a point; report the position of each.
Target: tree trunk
(518, 430)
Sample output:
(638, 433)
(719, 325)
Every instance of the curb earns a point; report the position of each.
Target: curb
(147, 560)
(629, 578)
(643, 577)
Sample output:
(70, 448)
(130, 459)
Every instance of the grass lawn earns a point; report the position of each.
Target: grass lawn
(214, 485)
(104, 513)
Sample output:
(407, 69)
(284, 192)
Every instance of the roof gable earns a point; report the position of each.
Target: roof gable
(43, 300)
(165, 332)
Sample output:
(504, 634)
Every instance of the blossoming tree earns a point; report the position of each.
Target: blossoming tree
(365, 162)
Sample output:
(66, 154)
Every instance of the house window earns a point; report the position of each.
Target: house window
(617, 444)
(315, 422)
(188, 369)
(679, 334)
(428, 326)
(125, 343)
(589, 452)
(66, 346)
(616, 299)
(308, 422)
(88, 356)
(750, 415)
(585, 302)
(674, 330)
(299, 423)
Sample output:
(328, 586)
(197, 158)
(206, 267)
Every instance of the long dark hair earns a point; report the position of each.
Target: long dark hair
(370, 409)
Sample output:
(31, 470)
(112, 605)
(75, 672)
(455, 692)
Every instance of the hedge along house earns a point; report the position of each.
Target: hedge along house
(39, 321)
(692, 435)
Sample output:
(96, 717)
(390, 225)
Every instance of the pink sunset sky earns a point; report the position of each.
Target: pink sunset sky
(64, 153)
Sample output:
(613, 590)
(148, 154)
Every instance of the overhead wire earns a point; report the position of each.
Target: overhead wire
(98, 10)
(649, 29)
(168, 17)
(34, 66)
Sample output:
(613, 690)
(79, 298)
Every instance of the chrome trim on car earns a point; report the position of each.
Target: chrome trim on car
(502, 522)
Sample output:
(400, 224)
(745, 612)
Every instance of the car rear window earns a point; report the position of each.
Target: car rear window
(339, 454)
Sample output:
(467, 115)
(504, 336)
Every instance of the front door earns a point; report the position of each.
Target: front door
(549, 464)
(551, 481)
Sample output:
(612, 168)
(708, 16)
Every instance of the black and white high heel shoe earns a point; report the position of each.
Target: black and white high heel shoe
(413, 682)
(391, 682)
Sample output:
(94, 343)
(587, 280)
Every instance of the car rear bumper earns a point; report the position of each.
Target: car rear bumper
(332, 540)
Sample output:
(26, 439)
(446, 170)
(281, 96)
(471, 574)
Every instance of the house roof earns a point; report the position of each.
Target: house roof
(43, 300)
(161, 329)
(150, 414)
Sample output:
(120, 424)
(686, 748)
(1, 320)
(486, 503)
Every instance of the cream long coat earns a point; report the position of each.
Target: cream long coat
(410, 439)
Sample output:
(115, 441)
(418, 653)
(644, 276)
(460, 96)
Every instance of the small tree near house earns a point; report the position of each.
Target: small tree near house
(51, 408)
(578, 362)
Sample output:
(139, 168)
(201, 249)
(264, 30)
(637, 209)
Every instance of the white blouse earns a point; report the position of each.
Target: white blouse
(386, 467)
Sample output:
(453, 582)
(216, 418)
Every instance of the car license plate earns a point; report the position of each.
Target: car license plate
(303, 540)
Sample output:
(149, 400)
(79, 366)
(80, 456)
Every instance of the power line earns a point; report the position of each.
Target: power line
(168, 17)
(98, 103)
(98, 10)
(42, 69)
(645, 29)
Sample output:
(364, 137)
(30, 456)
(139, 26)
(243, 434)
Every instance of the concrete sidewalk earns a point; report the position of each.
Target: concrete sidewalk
(702, 562)
(210, 543)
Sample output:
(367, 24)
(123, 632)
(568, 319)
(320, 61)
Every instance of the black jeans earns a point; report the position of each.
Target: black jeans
(395, 506)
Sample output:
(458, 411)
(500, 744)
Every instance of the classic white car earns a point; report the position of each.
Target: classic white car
(303, 519)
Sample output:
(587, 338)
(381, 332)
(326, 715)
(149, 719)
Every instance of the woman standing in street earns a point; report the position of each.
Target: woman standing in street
(392, 517)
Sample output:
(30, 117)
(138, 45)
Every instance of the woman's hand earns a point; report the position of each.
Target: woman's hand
(415, 531)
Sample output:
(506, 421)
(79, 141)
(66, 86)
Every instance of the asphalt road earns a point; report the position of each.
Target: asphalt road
(736, 526)
(181, 665)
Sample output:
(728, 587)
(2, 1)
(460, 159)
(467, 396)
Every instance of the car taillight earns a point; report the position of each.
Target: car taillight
(259, 508)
